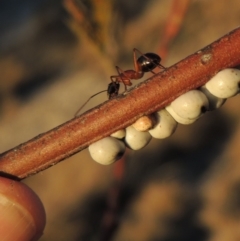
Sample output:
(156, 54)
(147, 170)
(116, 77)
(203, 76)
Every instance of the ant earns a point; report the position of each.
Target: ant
(145, 63)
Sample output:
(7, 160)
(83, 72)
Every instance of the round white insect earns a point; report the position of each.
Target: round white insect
(225, 83)
(107, 150)
(136, 139)
(179, 119)
(188, 107)
(120, 134)
(165, 126)
(214, 101)
(144, 123)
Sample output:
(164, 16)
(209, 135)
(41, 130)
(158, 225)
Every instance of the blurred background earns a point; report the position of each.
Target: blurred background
(55, 54)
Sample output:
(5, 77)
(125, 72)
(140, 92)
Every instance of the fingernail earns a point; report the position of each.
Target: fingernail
(15, 222)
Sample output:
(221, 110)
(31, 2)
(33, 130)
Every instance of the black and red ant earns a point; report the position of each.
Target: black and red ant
(145, 63)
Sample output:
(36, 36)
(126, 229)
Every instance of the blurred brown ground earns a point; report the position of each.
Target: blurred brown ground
(186, 187)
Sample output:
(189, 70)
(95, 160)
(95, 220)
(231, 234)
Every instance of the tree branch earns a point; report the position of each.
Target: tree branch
(152, 95)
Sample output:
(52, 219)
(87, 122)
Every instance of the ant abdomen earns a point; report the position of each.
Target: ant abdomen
(149, 61)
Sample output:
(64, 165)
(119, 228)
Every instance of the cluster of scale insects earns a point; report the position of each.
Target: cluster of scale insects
(185, 110)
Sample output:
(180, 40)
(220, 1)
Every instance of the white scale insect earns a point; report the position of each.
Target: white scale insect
(186, 109)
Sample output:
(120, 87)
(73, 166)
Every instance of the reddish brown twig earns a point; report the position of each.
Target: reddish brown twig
(155, 93)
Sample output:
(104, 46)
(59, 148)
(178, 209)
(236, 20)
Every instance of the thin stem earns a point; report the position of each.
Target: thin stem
(152, 95)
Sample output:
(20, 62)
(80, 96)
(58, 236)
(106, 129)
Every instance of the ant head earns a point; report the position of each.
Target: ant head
(113, 89)
(149, 61)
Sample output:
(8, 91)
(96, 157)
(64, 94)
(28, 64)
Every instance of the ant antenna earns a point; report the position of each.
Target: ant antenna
(78, 111)
(112, 91)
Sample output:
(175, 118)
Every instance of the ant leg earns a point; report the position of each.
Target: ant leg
(160, 66)
(152, 72)
(157, 65)
(136, 50)
(136, 65)
(121, 75)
